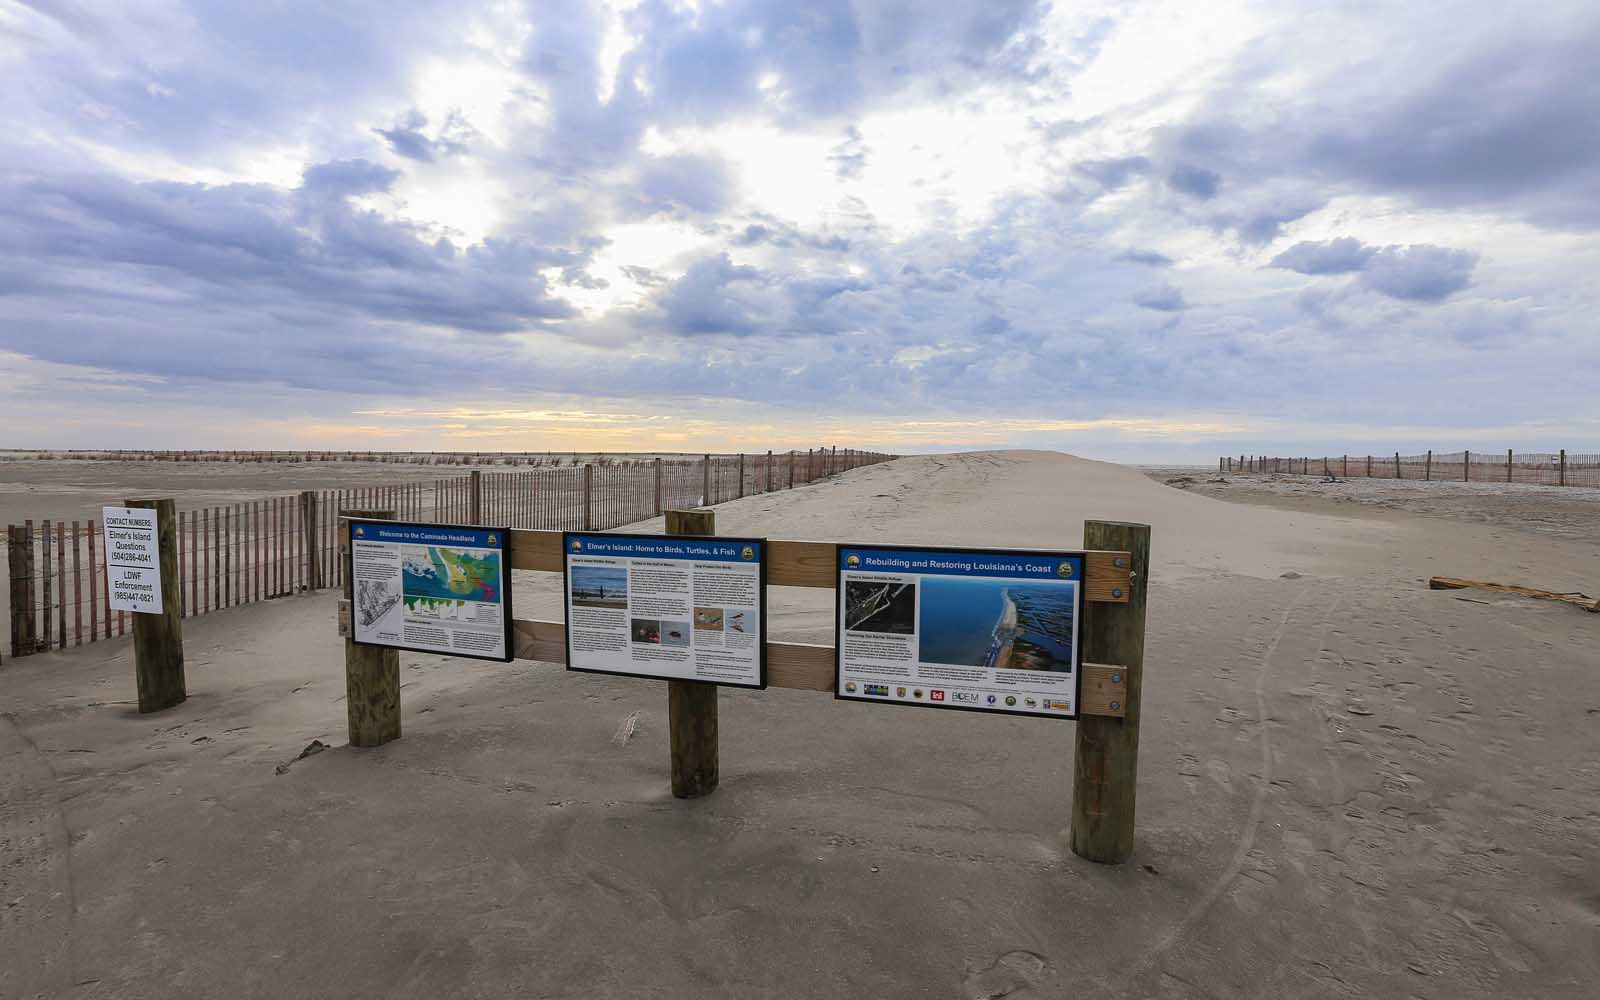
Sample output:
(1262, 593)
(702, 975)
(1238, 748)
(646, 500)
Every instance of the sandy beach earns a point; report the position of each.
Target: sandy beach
(1349, 785)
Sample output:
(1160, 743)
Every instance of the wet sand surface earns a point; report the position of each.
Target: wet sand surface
(1349, 786)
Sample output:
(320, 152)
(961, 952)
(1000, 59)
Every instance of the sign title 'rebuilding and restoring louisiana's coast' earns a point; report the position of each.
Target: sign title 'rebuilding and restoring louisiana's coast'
(987, 630)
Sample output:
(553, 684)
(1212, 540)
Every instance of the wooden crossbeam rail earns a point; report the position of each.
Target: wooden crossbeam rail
(799, 665)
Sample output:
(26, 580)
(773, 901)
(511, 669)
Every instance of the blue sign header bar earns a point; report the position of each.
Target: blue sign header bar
(427, 534)
(731, 550)
(945, 562)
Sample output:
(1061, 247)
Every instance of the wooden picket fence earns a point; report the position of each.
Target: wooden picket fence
(242, 553)
(1553, 468)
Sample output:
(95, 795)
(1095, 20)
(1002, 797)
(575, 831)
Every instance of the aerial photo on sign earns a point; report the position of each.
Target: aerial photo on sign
(989, 630)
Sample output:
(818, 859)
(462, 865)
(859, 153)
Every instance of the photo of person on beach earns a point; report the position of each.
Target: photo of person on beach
(999, 624)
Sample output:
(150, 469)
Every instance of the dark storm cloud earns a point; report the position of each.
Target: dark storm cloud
(407, 139)
(1161, 298)
(255, 248)
(830, 56)
(1149, 258)
(1113, 173)
(1505, 124)
(1419, 273)
(701, 185)
(1196, 181)
(1338, 256)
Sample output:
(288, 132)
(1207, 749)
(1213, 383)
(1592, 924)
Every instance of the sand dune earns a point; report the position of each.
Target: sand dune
(1350, 785)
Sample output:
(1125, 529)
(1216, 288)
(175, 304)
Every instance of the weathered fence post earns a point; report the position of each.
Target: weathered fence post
(1397, 474)
(588, 497)
(1563, 479)
(791, 468)
(1508, 465)
(308, 523)
(1427, 467)
(158, 638)
(475, 495)
(19, 558)
(371, 673)
(741, 476)
(1346, 472)
(769, 472)
(1466, 466)
(1105, 773)
(692, 705)
(1369, 466)
(705, 488)
(658, 486)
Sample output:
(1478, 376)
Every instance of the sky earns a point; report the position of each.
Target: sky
(1145, 231)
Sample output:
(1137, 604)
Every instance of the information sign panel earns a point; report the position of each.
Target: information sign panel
(667, 606)
(133, 559)
(431, 588)
(986, 630)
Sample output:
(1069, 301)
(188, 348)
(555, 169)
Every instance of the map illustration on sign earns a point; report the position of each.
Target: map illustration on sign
(436, 580)
(431, 588)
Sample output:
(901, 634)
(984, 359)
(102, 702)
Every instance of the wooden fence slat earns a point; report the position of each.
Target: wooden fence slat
(94, 588)
(61, 584)
(44, 575)
(77, 590)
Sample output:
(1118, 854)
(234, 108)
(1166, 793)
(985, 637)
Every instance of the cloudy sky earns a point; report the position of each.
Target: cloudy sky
(1145, 230)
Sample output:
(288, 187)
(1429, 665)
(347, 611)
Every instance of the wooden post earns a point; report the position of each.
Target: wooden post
(1369, 466)
(1563, 480)
(588, 497)
(1106, 764)
(1397, 474)
(705, 488)
(692, 705)
(1346, 473)
(1427, 467)
(475, 496)
(791, 468)
(158, 639)
(371, 673)
(308, 522)
(19, 559)
(658, 486)
(767, 488)
(1508, 465)
(1466, 466)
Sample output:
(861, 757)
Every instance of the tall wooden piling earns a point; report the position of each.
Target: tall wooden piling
(158, 638)
(371, 673)
(1106, 764)
(692, 705)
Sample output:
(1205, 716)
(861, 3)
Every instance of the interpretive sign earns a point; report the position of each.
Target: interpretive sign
(133, 559)
(981, 629)
(668, 607)
(431, 588)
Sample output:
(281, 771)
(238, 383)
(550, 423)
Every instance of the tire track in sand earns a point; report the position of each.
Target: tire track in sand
(1258, 804)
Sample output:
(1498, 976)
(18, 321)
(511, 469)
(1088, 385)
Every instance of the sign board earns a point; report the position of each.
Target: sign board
(133, 559)
(669, 607)
(431, 588)
(986, 630)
